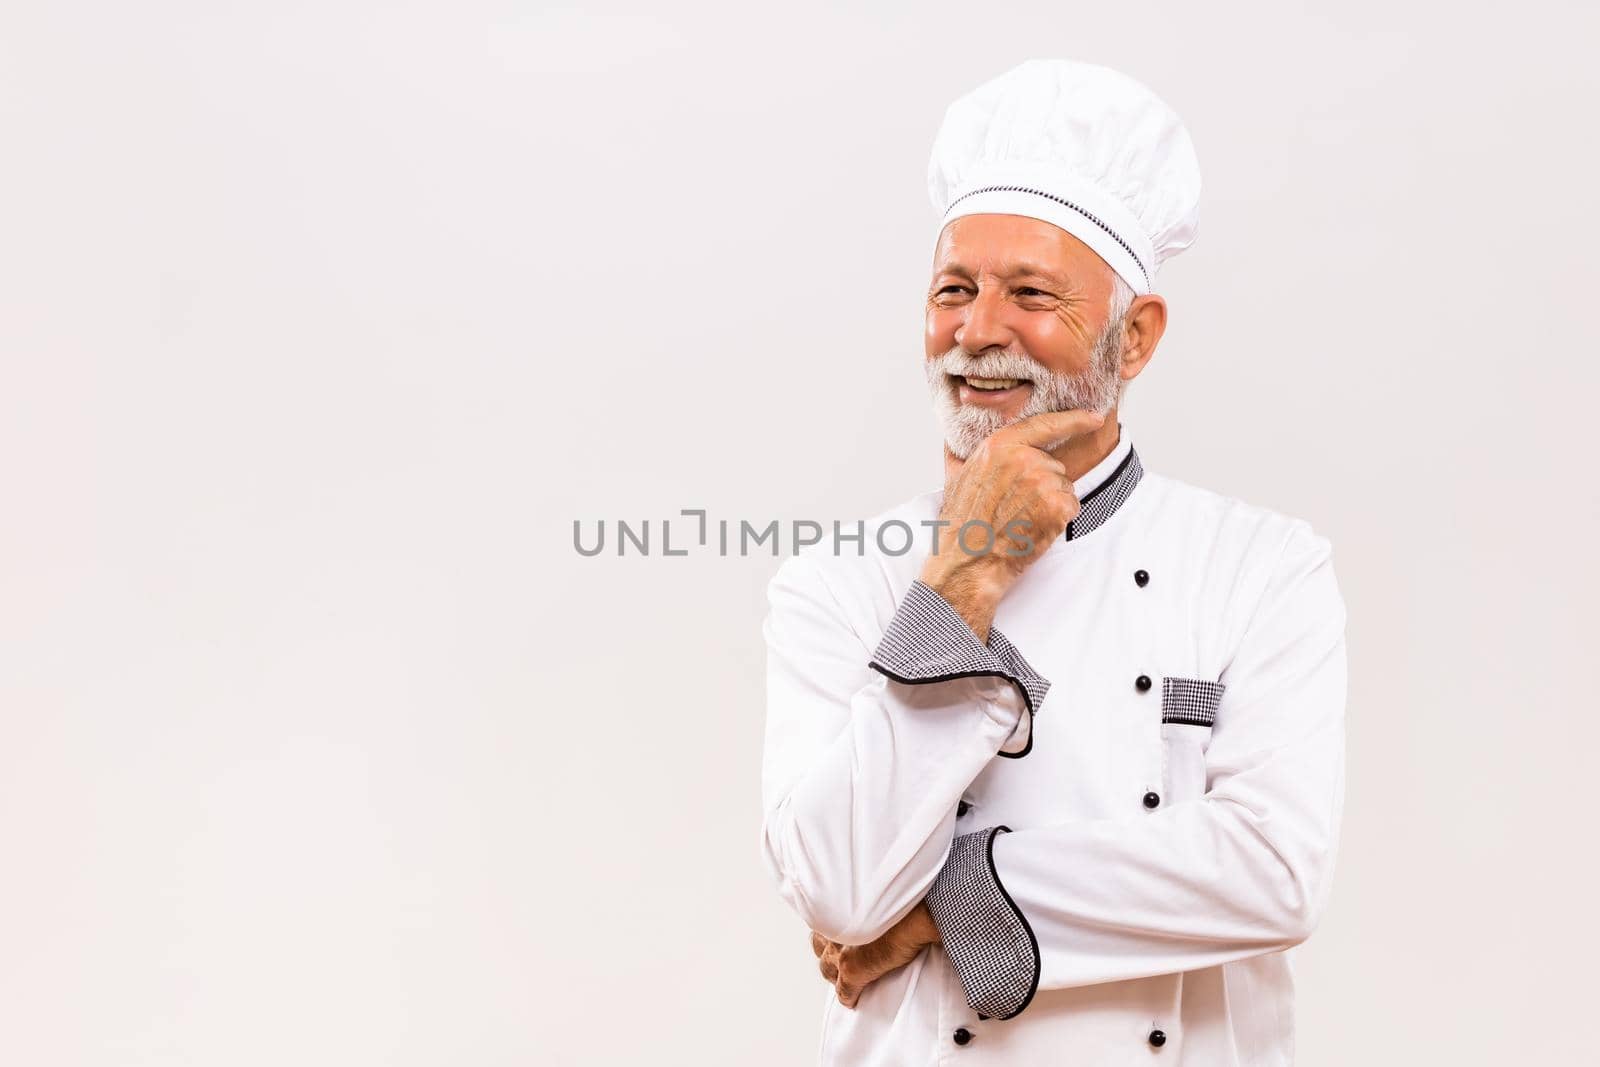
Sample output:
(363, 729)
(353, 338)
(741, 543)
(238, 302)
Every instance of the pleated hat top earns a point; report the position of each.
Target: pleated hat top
(1078, 145)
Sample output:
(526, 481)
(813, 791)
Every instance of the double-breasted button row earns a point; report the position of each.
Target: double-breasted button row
(1141, 578)
(1158, 1038)
(962, 1035)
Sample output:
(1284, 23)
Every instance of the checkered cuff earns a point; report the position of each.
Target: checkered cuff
(929, 641)
(990, 944)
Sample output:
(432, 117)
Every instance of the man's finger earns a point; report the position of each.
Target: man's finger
(1052, 428)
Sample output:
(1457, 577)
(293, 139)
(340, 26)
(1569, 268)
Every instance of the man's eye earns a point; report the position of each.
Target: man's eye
(1025, 290)
(949, 288)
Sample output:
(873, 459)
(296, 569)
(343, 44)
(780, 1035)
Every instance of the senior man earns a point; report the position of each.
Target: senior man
(1064, 786)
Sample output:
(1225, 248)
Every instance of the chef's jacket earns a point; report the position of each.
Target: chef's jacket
(1123, 810)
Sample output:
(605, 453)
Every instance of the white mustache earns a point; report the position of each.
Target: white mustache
(962, 364)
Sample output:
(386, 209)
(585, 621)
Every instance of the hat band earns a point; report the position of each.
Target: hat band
(1098, 245)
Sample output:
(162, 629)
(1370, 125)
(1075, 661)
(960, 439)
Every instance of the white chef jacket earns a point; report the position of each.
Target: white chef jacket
(1123, 810)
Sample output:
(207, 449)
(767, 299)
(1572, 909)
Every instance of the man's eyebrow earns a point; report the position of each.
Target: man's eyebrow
(1016, 270)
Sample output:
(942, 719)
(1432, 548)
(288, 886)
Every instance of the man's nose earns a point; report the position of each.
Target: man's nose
(984, 326)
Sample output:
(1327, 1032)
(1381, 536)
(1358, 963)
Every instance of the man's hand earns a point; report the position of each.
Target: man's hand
(851, 968)
(1018, 497)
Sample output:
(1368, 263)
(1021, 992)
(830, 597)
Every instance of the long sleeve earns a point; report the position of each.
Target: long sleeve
(1241, 870)
(868, 748)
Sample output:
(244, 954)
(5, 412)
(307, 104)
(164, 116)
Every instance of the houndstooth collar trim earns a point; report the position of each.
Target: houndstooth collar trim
(1101, 502)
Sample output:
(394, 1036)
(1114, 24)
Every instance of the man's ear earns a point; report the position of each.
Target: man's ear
(1145, 322)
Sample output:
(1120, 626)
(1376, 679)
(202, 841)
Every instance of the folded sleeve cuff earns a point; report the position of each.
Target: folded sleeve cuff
(991, 947)
(927, 640)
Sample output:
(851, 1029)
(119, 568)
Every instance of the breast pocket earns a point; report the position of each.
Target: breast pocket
(1188, 712)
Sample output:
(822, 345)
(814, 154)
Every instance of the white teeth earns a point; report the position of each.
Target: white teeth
(992, 383)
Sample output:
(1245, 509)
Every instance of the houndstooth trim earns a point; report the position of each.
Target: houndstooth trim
(1101, 502)
(928, 641)
(991, 946)
(1190, 700)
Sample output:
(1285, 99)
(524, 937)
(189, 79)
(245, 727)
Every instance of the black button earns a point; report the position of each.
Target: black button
(1152, 799)
(1157, 1038)
(963, 807)
(1143, 682)
(963, 1035)
(1142, 577)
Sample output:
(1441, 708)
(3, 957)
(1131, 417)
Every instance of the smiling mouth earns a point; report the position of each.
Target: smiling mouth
(990, 385)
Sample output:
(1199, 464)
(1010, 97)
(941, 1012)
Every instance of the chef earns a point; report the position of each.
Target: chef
(1063, 784)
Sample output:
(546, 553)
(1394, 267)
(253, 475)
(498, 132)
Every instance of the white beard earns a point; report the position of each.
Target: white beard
(1097, 389)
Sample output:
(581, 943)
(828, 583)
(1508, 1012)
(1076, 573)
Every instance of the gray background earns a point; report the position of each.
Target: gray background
(321, 323)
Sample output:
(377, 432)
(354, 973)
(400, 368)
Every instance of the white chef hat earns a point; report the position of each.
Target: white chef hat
(1078, 145)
